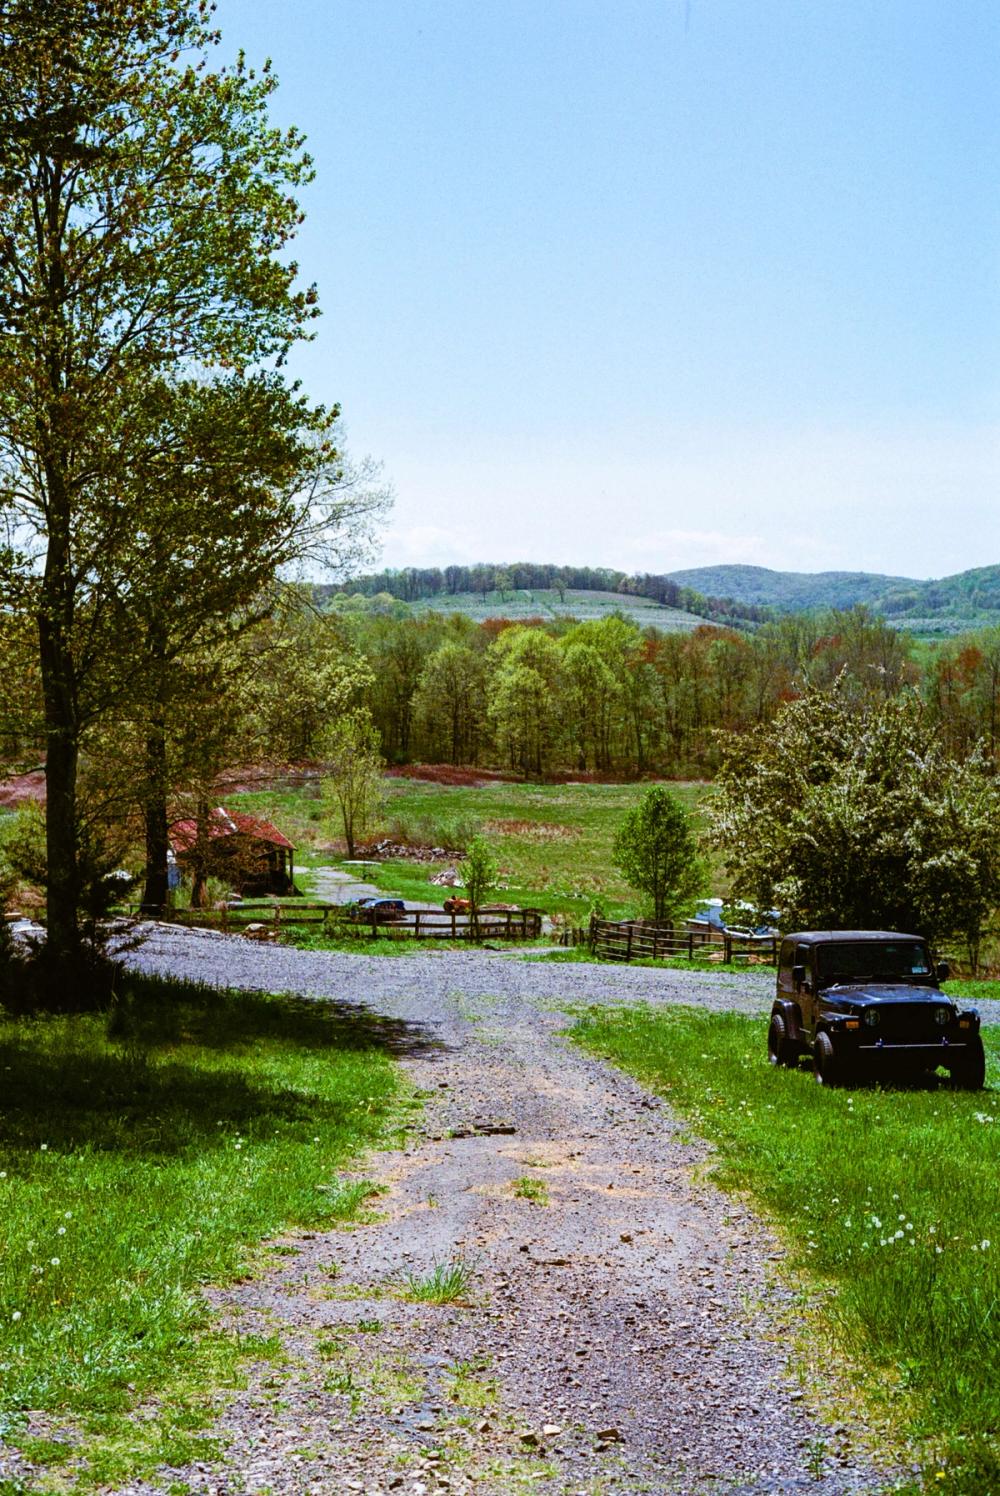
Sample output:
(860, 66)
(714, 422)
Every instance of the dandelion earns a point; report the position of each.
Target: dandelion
(16, 1315)
(44, 1148)
(3, 1173)
(238, 1145)
(315, 1140)
(54, 1261)
(61, 1231)
(67, 1215)
(898, 1236)
(984, 1246)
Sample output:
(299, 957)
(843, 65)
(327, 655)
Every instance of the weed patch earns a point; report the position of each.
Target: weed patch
(446, 1283)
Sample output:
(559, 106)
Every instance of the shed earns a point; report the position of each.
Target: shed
(255, 856)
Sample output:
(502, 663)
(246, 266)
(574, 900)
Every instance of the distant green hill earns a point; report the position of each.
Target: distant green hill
(969, 596)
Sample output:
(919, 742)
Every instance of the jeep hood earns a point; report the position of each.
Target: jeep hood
(887, 992)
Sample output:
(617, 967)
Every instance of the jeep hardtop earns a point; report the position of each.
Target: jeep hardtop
(867, 1004)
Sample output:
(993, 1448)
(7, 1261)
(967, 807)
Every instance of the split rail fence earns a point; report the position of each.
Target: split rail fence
(642, 940)
(334, 919)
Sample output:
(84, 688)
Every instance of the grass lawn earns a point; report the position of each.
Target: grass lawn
(141, 1157)
(888, 1200)
(552, 841)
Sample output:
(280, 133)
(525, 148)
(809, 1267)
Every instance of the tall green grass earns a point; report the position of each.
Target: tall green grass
(889, 1195)
(139, 1158)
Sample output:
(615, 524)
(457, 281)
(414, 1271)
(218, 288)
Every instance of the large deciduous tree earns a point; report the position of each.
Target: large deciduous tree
(848, 815)
(145, 204)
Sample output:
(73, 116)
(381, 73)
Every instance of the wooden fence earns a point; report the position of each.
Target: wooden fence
(434, 924)
(236, 917)
(642, 940)
(339, 921)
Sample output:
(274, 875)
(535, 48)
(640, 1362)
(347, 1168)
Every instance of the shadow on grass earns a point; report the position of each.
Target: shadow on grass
(153, 1076)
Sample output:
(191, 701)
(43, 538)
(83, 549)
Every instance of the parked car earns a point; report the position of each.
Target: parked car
(867, 1004)
(385, 911)
(716, 917)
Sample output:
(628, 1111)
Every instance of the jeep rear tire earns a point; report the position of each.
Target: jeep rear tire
(780, 1049)
(969, 1073)
(829, 1069)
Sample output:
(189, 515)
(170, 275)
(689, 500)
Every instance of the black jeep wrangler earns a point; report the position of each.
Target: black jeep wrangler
(866, 1004)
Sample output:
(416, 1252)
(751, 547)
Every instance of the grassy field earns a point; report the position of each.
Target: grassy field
(142, 1157)
(888, 1200)
(552, 841)
(520, 603)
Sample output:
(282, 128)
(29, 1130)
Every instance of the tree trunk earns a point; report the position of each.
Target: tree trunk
(62, 740)
(199, 872)
(154, 895)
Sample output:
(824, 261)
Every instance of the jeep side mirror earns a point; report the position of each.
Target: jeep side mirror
(943, 971)
(798, 975)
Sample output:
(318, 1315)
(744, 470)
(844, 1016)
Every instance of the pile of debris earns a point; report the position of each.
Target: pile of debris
(403, 852)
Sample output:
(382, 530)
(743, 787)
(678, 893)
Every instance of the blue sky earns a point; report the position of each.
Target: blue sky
(657, 284)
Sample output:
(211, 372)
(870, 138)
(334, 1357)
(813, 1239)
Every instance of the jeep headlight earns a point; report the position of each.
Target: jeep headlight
(871, 1017)
(942, 1016)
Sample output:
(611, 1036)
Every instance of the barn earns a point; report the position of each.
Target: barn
(251, 854)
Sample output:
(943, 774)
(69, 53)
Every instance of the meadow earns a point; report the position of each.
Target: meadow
(142, 1155)
(553, 842)
(887, 1200)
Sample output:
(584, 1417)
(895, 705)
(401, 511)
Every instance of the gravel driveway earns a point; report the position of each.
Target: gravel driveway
(619, 1338)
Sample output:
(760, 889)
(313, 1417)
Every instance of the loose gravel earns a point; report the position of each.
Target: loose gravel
(625, 1330)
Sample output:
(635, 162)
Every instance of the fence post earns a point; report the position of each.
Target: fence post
(628, 947)
(416, 924)
(727, 949)
(453, 935)
(374, 934)
(690, 945)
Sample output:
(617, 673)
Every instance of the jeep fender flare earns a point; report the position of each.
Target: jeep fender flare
(792, 1015)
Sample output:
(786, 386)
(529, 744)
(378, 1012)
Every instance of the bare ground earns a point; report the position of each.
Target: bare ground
(625, 1336)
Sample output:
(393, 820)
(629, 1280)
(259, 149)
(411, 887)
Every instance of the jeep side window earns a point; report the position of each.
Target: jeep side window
(803, 958)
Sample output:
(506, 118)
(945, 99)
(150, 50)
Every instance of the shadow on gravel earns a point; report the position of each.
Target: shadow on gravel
(176, 1065)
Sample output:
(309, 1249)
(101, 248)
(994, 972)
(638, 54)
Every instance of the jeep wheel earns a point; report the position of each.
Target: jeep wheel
(969, 1073)
(829, 1070)
(780, 1049)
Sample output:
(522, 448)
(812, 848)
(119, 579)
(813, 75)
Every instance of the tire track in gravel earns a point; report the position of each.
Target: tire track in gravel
(617, 1339)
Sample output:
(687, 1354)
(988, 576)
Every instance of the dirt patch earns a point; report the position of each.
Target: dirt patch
(451, 774)
(20, 788)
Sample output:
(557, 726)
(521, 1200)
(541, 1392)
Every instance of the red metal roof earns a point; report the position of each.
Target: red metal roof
(222, 823)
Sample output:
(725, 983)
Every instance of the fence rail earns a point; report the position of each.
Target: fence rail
(434, 924)
(641, 940)
(415, 924)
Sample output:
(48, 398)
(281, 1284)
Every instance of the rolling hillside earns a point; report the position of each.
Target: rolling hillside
(969, 597)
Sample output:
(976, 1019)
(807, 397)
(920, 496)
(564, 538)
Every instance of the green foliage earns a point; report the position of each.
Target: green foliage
(850, 815)
(22, 846)
(888, 1195)
(657, 853)
(355, 769)
(479, 871)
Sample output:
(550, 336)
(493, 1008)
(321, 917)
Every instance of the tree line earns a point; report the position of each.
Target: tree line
(605, 697)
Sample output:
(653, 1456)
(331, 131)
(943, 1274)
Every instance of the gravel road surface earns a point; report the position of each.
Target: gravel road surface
(622, 1337)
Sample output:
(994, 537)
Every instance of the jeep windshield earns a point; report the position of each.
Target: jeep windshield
(852, 961)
